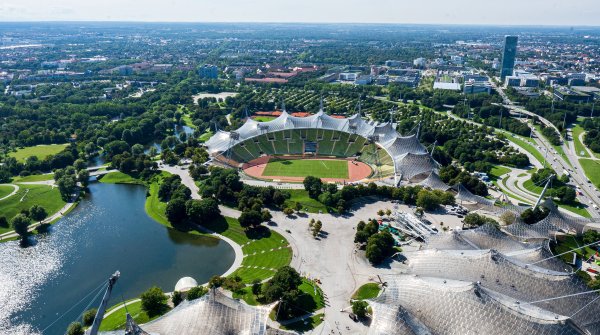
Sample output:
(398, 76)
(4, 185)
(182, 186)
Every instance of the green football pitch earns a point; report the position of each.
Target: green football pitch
(307, 167)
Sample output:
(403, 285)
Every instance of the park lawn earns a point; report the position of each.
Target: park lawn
(309, 204)
(155, 208)
(577, 207)
(246, 295)
(117, 319)
(367, 291)
(263, 118)
(526, 145)
(40, 151)
(256, 246)
(33, 178)
(306, 324)
(592, 170)
(187, 120)
(204, 137)
(497, 171)
(41, 195)
(5, 190)
(119, 177)
(567, 243)
(579, 147)
(307, 167)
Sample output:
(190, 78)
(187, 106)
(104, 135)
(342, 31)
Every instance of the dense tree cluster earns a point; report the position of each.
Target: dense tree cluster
(452, 175)
(592, 137)
(475, 220)
(531, 216)
(284, 287)
(154, 301)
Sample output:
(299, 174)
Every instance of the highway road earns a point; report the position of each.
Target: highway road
(590, 196)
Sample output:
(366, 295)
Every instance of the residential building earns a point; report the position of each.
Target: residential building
(208, 71)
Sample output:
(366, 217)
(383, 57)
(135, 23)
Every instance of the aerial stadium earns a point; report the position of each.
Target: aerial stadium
(351, 149)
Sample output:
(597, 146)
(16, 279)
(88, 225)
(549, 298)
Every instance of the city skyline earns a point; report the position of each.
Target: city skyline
(550, 13)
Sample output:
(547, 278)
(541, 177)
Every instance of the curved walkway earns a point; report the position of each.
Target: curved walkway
(15, 190)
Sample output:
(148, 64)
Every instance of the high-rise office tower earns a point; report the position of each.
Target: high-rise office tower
(508, 56)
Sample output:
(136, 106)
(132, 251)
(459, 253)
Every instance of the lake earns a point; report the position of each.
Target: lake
(108, 231)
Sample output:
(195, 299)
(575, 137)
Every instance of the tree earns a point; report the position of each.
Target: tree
(202, 210)
(313, 186)
(176, 210)
(37, 213)
(298, 206)
(75, 328)
(286, 279)
(388, 212)
(379, 246)
(83, 177)
(476, 220)
(89, 316)
(256, 287)
(154, 301)
(176, 298)
(196, 292)
(3, 222)
(66, 186)
(266, 215)
(427, 200)
(359, 308)
(216, 281)
(250, 218)
(20, 223)
(316, 229)
(508, 218)
(380, 212)
(591, 236)
(288, 211)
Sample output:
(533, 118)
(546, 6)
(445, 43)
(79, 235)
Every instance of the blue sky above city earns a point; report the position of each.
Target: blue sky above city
(506, 12)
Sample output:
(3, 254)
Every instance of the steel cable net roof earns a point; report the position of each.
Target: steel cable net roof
(487, 236)
(434, 182)
(213, 314)
(415, 305)
(555, 221)
(512, 277)
(405, 151)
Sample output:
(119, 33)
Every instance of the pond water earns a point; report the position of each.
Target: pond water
(108, 231)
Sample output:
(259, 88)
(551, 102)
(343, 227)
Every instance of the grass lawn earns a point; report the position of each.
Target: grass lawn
(187, 120)
(592, 170)
(307, 167)
(41, 151)
(577, 207)
(34, 177)
(118, 177)
(117, 319)
(204, 137)
(306, 324)
(520, 141)
(263, 118)
(257, 245)
(42, 195)
(367, 291)
(154, 207)
(579, 147)
(246, 295)
(568, 243)
(497, 171)
(309, 204)
(5, 190)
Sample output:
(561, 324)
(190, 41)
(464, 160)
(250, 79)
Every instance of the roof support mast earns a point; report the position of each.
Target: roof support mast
(102, 308)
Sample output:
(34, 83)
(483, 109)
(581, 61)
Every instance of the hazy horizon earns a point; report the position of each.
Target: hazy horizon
(427, 12)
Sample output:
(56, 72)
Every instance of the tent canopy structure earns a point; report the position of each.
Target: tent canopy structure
(410, 158)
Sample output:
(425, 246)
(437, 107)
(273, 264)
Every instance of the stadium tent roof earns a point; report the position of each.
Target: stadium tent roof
(517, 278)
(415, 305)
(212, 314)
(410, 157)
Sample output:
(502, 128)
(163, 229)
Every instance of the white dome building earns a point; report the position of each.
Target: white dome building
(185, 284)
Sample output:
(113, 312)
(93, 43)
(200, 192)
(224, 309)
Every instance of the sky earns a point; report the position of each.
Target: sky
(499, 12)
